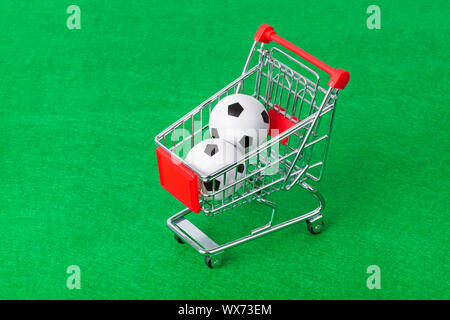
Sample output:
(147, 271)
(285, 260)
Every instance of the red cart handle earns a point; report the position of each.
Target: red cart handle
(338, 77)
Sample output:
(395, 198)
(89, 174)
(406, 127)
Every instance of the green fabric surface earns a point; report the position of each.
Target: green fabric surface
(79, 181)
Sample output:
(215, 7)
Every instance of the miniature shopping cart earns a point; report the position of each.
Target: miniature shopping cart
(301, 116)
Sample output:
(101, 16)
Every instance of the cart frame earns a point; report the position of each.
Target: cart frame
(286, 159)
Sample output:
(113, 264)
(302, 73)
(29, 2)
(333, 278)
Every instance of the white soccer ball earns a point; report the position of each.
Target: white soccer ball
(211, 155)
(241, 120)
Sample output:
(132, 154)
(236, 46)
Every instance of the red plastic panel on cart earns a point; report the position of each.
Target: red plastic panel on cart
(178, 180)
(279, 123)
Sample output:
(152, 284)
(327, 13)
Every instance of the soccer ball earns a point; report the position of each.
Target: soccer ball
(211, 155)
(241, 120)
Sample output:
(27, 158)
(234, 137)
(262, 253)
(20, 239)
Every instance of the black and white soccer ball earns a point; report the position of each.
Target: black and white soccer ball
(241, 120)
(211, 155)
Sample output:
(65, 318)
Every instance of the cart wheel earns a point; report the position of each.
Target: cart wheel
(212, 261)
(178, 239)
(315, 227)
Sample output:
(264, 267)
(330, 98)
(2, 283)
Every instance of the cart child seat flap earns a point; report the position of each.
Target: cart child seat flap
(178, 180)
(279, 123)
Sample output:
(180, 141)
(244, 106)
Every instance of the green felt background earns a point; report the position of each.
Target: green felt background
(79, 181)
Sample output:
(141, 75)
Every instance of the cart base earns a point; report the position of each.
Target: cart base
(187, 232)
